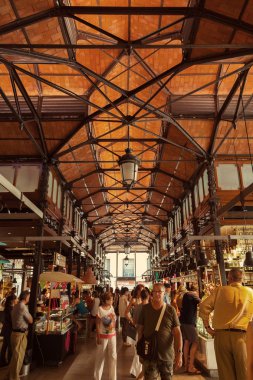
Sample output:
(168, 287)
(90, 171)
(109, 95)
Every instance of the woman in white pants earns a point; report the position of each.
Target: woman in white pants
(106, 338)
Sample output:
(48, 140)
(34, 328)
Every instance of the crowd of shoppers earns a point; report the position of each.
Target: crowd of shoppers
(177, 338)
(227, 315)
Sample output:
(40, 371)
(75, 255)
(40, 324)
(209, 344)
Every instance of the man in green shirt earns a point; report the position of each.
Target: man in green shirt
(169, 339)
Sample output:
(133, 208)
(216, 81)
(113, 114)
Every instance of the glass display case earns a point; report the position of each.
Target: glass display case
(55, 336)
(57, 322)
(201, 329)
(205, 354)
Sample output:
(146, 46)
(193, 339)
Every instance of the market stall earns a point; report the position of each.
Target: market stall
(55, 332)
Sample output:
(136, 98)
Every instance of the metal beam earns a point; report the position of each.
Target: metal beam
(241, 78)
(18, 216)
(19, 195)
(22, 122)
(70, 11)
(238, 198)
(116, 169)
(149, 188)
(125, 45)
(132, 93)
(200, 151)
(28, 101)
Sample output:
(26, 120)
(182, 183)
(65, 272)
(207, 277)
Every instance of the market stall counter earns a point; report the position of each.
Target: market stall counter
(55, 332)
(205, 355)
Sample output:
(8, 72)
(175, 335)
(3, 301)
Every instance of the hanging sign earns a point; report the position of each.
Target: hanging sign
(59, 260)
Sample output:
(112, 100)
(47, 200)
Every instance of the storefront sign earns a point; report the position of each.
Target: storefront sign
(59, 260)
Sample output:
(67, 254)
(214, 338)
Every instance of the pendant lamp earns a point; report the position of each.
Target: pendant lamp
(129, 165)
(248, 262)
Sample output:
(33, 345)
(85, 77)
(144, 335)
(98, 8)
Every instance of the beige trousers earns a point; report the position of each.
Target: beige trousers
(18, 344)
(231, 355)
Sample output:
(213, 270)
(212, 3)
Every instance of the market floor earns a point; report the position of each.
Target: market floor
(81, 365)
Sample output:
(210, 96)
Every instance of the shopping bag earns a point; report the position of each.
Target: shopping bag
(147, 347)
(131, 331)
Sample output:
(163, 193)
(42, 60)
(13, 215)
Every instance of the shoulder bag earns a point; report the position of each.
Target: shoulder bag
(147, 347)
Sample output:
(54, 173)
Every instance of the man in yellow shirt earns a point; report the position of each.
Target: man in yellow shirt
(233, 309)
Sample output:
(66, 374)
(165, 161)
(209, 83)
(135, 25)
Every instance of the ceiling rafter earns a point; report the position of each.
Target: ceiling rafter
(57, 87)
(28, 101)
(71, 11)
(122, 98)
(235, 118)
(240, 79)
(22, 122)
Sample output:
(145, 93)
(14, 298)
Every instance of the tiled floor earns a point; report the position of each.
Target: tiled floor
(81, 365)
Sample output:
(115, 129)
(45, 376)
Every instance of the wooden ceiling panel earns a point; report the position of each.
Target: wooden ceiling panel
(177, 136)
(57, 129)
(15, 141)
(54, 70)
(96, 60)
(70, 172)
(161, 60)
(6, 12)
(6, 86)
(22, 149)
(153, 96)
(30, 84)
(201, 70)
(12, 38)
(55, 132)
(93, 182)
(143, 25)
(230, 8)
(181, 84)
(76, 84)
(237, 141)
(199, 130)
(211, 32)
(168, 20)
(98, 198)
(101, 99)
(79, 137)
(248, 12)
(3, 70)
(26, 7)
(118, 27)
(149, 127)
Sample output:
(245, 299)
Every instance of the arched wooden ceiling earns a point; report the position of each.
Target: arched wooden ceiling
(75, 75)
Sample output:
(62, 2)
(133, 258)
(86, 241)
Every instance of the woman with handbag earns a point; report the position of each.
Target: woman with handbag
(136, 367)
(130, 316)
(106, 338)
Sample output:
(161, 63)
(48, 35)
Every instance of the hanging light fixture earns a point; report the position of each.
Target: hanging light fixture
(127, 248)
(248, 262)
(129, 165)
(126, 261)
(203, 260)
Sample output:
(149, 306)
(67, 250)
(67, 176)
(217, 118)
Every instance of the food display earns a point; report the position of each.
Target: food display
(58, 321)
